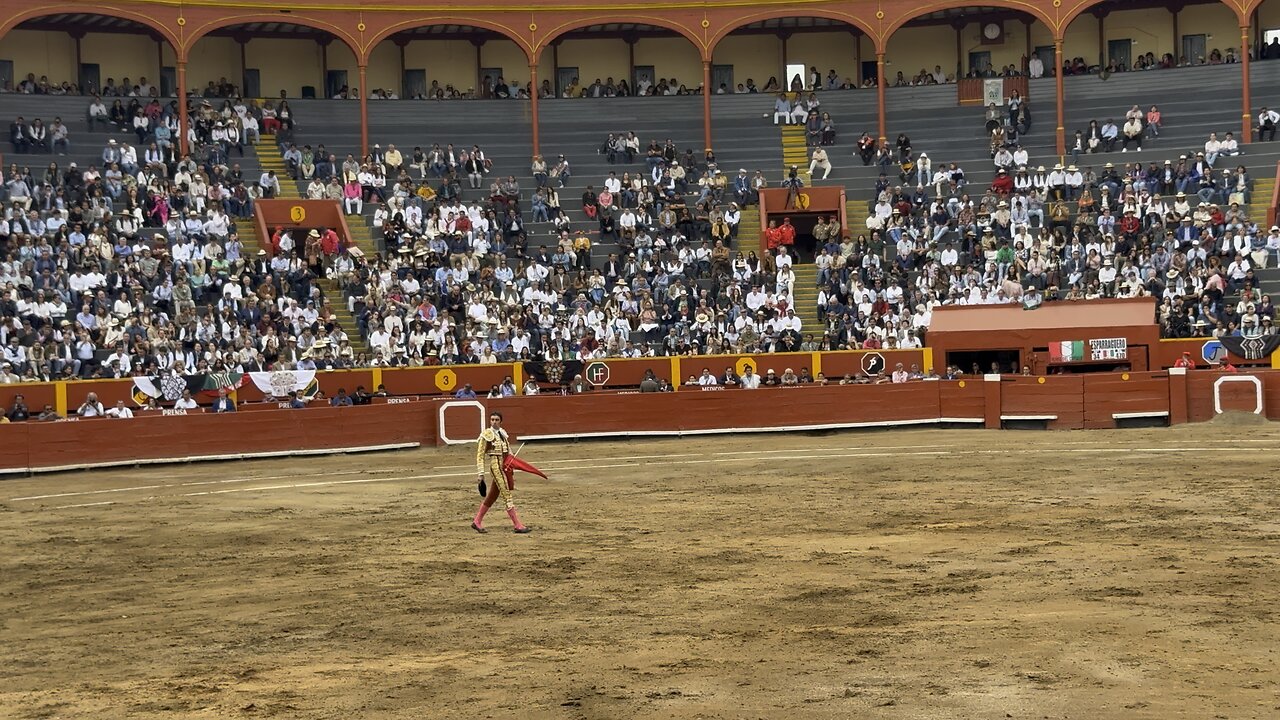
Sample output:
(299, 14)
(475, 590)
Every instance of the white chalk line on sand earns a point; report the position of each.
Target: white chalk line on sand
(592, 465)
(553, 461)
(187, 484)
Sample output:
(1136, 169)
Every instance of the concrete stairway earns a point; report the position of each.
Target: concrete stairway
(749, 230)
(1260, 200)
(856, 211)
(795, 151)
(806, 299)
(270, 158)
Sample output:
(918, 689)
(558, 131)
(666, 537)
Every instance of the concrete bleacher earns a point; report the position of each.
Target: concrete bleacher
(86, 147)
(575, 128)
(1195, 101)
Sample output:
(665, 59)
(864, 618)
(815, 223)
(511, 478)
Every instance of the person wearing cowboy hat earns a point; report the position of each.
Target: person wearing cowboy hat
(1057, 182)
(1075, 182)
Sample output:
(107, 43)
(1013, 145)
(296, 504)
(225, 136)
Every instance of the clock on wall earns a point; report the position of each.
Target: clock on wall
(992, 33)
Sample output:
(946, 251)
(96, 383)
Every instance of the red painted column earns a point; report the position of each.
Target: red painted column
(991, 401)
(1178, 413)
(1246, 127)
(533, 105)
(183, 121)
(706, 104)
(364, 113)
(1057, 79)
(880, 95)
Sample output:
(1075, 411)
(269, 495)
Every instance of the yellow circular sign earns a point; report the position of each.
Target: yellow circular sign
(446, 380)
(744, 363)
(802, 201)
(297, 213)
(961, 383)
(1125, 376)
(1040, 380)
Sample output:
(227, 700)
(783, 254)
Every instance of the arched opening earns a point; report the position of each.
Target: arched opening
(50, 63)
(83, 53)
(942, 47)
(1266, 30)
(1116, 56)
(798, 55)
(619, 59)
(638, 77)
(272, 59)
(1142, 35)
(460, 86)
(1263, 73)
(944, 69)
(757, 52)
(447, 61)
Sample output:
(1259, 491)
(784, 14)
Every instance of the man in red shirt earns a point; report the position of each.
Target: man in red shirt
(787, 232)
(773, 235)
(1003, 184)
(1130, 226)
(329, 242)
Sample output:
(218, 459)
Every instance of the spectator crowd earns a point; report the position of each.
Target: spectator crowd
(134, 265)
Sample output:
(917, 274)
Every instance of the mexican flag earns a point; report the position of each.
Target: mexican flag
(1066, 351)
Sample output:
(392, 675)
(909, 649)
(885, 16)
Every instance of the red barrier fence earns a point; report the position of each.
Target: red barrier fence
(993, 401)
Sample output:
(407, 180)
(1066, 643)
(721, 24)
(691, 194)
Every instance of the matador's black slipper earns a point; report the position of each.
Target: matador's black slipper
(523, 530)
(478, 529)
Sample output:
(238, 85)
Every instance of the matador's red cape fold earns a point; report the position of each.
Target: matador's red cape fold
(513, 463)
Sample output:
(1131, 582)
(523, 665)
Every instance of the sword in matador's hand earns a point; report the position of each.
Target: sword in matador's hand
(513, 463)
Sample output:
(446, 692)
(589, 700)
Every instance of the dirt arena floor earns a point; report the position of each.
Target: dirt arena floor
(918, 574)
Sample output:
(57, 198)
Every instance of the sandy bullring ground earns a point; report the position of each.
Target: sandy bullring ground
(920, 574)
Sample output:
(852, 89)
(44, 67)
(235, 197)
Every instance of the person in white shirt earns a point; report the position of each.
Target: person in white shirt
(706, 379)
(749, 380)
(1267, 121)
(98, 114)
(1075, 182)
(820, 162)
(120, 411)
(789, 321)
(1132, 133)
(1229, 146)
(269, 184)
(950, 256)
(186, 402)
(1273, 243)
(1035, 67)
(91, 407)
(900, 375)
(1212, 146)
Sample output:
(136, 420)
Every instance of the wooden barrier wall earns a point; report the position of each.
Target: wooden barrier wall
(1055, 402)
(153, 436)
